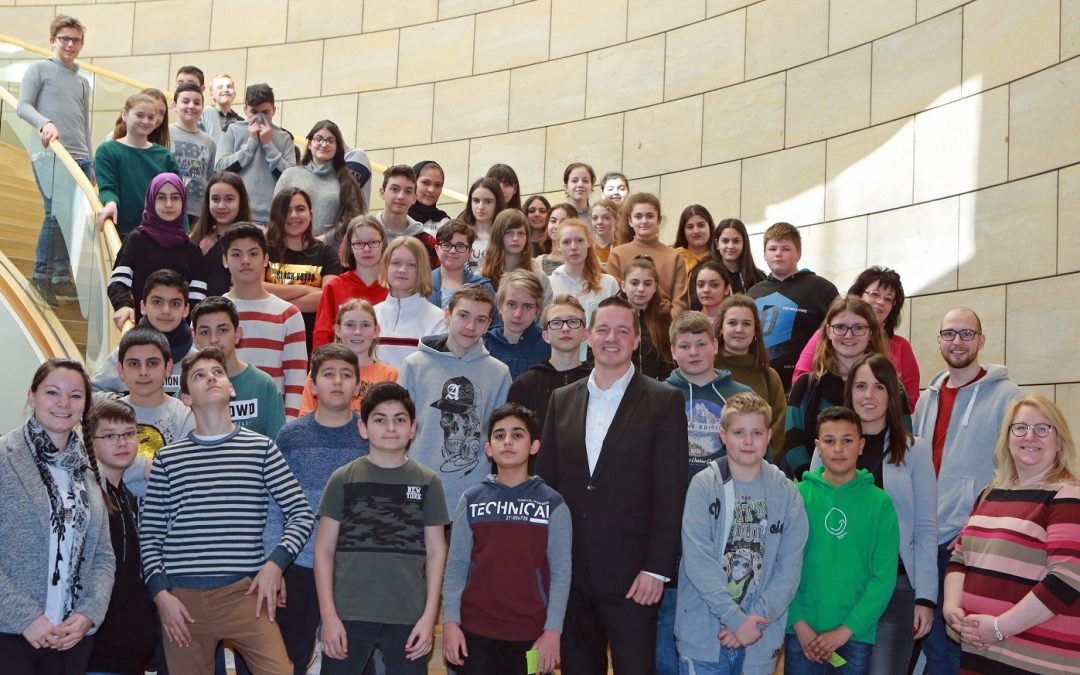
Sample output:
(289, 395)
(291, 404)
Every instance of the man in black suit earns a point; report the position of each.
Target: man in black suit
(615, 446)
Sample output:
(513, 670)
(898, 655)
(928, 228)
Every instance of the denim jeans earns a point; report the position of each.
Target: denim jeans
(894, 640)
(857, 655)
(362, 636)
(51, 259)
(667, 658)
(730, 663)
(942, 654)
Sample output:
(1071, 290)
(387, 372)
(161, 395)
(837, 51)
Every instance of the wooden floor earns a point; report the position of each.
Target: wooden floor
(20, 223)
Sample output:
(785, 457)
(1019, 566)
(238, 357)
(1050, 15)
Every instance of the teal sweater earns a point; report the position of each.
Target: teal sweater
(849, 563)
(124, 173)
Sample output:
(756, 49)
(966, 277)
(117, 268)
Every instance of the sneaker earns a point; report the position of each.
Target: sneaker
(45, 290)
(65, 290)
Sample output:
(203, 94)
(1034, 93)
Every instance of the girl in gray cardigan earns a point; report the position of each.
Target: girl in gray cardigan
(56, 574)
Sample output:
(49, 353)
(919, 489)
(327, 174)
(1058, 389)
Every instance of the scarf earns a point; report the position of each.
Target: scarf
(423, 212)
(179, 339)
(72, 459)
(167, 233)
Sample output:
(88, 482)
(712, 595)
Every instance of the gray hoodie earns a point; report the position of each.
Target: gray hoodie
(454, 399)
(705, 605)
(967, 460)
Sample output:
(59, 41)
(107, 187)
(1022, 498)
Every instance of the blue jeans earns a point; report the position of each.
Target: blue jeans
(894, 640)
(667, 658)
(942, 654)
(362, 636)
(857, 655)
(730, 663)
(51, 259)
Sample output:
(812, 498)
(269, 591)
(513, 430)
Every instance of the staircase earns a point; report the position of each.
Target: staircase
(20, 222)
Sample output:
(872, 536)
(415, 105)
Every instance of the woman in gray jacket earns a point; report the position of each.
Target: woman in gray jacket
(56, 573)
(902, 466)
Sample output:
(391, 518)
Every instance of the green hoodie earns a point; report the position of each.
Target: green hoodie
(850, 559)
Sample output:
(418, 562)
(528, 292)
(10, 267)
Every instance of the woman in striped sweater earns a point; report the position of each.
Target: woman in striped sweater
(1012, 586)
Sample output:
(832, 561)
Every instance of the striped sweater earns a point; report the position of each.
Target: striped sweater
(1019, 541)
(275, 342)
(205, 511)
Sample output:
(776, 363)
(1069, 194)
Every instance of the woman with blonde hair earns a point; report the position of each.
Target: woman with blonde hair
(405, 315)
(1012, 585)
(581, 275)
(853, 330)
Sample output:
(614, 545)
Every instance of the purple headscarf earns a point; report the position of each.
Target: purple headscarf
(167, 233)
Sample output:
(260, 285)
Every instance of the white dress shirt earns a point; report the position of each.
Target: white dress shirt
(603, 403)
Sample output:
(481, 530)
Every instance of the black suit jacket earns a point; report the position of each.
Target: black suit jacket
(627, 515)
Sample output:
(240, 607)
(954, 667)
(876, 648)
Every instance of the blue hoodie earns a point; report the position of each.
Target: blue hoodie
(529, 350)
(703, 407)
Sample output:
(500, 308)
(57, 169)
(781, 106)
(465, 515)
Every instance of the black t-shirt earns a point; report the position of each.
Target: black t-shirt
(307, 268)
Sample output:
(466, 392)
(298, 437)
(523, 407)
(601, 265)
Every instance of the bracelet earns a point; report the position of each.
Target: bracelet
(997, 632)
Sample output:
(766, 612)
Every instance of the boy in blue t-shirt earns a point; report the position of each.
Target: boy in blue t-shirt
(508, 574)
(381, 546)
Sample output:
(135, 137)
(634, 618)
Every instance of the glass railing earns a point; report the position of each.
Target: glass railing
(73, 318)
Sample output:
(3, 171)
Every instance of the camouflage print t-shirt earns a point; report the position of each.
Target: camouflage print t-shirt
(380, 556)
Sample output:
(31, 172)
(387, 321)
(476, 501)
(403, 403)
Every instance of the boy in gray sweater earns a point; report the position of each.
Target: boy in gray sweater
(744, 528)
(56, 100)
(258, 151)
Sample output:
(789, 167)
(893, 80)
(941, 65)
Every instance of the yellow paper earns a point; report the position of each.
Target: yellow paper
(836, 660)
(532, 661)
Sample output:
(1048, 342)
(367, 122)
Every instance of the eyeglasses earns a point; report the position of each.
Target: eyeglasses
(1020, 429)
(323, 140)
(459, 247)
(112, 438)
(69, 39)
(841, 329)
(557, 324)
(878, 296)
(360, 245)
(949, 334)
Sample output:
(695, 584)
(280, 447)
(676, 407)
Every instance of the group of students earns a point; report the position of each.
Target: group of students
(812, 519)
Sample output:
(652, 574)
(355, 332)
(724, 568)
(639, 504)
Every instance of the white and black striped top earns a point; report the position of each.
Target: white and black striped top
(205, 511)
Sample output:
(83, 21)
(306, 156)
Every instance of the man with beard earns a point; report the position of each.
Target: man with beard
(961, 412)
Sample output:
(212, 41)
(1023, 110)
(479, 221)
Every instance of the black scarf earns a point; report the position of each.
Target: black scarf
(179, 339)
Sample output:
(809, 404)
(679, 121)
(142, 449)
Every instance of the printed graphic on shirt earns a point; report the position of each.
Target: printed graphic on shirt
(288, 274)
(461, 404)
(194, 161)
(745, 550)
(836, 523)
(778, 314)
(383, 518)
(520, 510)
(172, 383)
(150, 440)
(703, 430)
(247, 409)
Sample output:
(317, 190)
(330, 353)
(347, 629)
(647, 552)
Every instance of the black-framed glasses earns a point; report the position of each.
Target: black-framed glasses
(557, 324)
(459, 247)
(371, 244)
(966, 334)
(69, 39)
(112, 438)
(323, 140)
(1019, 429)
(841, 329)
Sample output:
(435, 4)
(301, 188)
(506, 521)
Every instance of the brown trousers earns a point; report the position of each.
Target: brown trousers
(227, 614)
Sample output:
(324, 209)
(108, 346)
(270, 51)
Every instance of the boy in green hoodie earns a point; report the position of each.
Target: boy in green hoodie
(850, 560)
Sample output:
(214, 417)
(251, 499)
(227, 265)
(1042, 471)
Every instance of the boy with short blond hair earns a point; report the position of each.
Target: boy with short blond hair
(217, 117)
(508, 572)
(563, 321)
(743, 531)
(381, 546)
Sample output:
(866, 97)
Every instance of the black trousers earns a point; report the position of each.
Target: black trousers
(488, 656)
(594, 620)
(19, 658)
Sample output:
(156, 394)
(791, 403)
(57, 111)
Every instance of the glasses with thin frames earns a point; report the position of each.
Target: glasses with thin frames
(69, 39)
(112, 438)
(572, 323)
(966, 334)
(841, 329)
(323, 140)
(1019, 429)
(370, 244)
